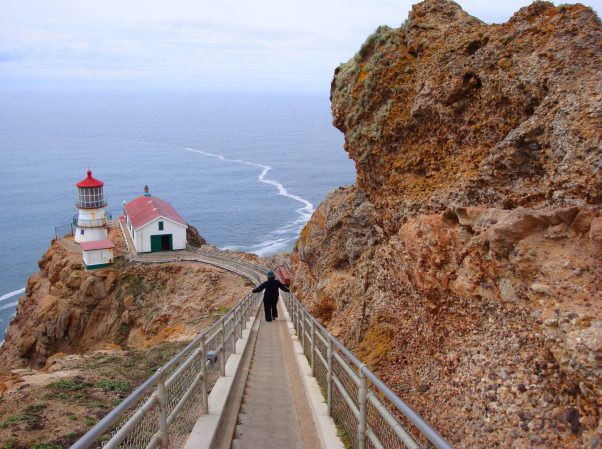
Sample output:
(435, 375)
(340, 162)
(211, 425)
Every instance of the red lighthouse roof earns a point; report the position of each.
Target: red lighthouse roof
(90, 181)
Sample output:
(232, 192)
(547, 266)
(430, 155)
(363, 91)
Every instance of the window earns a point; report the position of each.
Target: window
(81, 232)
(160, 226)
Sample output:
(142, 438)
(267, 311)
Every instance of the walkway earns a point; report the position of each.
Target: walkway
(274, 413)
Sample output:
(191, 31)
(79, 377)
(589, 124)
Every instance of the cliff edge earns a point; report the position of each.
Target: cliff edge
(465, 266)
(82, 340)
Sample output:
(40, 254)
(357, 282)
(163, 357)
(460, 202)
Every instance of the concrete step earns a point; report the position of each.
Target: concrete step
(255, 408)
(277, 418)
(263, 431)
(267, 444)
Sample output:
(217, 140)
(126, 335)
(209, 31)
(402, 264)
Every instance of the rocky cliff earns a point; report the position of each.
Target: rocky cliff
(87, 338)
(70, 310)
(466, 264)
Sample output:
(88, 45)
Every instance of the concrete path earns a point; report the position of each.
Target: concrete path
(275, 412)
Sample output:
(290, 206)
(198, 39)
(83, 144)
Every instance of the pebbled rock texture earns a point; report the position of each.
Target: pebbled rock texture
(465, 267)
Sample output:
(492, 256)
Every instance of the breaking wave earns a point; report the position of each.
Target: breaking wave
(280, 237)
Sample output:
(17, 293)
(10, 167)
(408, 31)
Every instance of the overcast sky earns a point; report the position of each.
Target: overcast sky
(233, 45)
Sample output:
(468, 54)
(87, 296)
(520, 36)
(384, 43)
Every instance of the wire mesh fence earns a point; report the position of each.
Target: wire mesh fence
(374, 418)
(163, 411)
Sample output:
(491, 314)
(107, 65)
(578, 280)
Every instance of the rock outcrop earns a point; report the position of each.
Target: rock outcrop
(69, 310)
(466, 265)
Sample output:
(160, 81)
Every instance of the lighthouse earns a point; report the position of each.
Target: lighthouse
(90, 223)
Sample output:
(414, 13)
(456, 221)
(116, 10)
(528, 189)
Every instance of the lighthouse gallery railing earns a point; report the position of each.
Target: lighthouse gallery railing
(163, 410)
(92, 223)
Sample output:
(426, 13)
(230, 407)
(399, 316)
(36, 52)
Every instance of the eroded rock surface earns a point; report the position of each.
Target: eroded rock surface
(466, 265)
(70, 310)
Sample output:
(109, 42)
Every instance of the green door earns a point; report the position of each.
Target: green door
(166, 242)
(155, 243)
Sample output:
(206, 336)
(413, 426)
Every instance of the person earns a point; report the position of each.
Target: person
(270, 296)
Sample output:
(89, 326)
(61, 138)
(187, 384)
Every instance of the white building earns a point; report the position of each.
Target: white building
(97, 254)
(90, 223)
(154, 224)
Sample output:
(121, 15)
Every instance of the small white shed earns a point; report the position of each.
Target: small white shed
(154, 225)
(97, 254)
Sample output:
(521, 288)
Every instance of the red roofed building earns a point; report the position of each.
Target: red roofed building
(97, 254)
(154, 224)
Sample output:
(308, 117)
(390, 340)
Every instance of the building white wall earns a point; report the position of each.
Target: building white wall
(142, 235)
(98, 256)
(90, 234)
(92, 214)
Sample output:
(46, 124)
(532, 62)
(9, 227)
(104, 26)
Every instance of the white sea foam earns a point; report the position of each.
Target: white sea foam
(11, 294)
(9, 305)
(274, 243)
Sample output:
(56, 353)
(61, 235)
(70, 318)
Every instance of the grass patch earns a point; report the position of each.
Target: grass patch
(11, 443)
(113, 385)
(45, 446)
(220, 311)
(67, 385)
(344, 437)
(30, 417)
(90, 421)
(30, 420)
(35, 408)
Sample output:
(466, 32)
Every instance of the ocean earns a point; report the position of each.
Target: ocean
(246, 169)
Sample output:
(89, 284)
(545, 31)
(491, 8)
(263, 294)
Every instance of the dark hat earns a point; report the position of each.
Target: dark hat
(271, 274)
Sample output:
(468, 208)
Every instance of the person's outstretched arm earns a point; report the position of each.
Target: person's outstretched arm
(260, 287)
(283, 287)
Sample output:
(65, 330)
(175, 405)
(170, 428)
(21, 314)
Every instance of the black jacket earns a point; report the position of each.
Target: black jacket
(271, 287)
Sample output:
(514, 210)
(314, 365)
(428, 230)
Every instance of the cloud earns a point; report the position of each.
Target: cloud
(231, 44)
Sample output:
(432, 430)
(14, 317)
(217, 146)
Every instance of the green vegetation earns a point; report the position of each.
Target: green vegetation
(90, 421)
(136, 286)
(67, 385)
(30, 420)
(11, 443)
(344, 437)
(113, 385)
(45, 446)
(30, 416)
(221, 311)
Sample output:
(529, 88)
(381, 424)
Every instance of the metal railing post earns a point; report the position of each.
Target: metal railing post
(362, 400)
(162, 397)
(302, 329)
(313, 348)
(222, 359)
(329, 377)
(295, 318)
(204, 388)
(233, 335)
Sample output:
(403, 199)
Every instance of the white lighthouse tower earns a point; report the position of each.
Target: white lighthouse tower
(90, 222)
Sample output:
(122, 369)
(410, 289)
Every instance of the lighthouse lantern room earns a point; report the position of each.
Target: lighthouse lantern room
(90, 223)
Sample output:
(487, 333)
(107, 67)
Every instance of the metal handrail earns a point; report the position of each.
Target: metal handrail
(91, 204)
(361, 376)
(162, 400)
(97, 222)
(154, 388)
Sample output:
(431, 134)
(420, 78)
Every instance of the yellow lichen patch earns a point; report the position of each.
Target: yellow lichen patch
(318, 220)
(164, 334)
(376, 345)
(362, 75)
